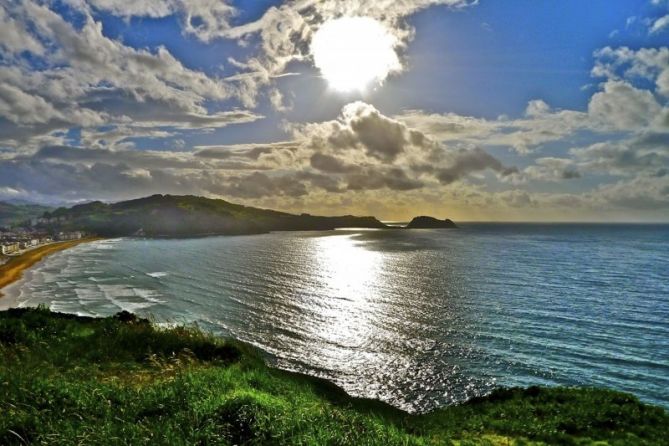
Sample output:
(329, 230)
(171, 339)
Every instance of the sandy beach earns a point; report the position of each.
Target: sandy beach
(13, 269)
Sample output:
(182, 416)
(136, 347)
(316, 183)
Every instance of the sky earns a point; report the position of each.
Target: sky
(521, 110)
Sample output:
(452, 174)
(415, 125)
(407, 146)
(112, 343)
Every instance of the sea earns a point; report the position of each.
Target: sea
(417, 318)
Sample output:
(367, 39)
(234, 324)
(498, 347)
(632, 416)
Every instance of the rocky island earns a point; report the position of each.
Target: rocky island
(424, 222)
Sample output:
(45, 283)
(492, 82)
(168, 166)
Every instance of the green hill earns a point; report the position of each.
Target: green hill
(11, 214)
(174, 216)
(68, 380)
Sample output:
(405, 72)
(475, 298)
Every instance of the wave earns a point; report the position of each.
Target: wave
(157, 275)
(428, 325)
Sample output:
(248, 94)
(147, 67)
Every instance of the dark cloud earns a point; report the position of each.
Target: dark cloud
(258, 184)
(362, 128)
(646, 153)
(317, 180)
(383, 137)
(253, 153)
(393, 178)
(248, 151)
(331, 164)
(570, 174)
(469, 161)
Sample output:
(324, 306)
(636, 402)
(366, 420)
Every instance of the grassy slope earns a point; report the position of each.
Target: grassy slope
(187, 215)
(68, 380)
(17, 213)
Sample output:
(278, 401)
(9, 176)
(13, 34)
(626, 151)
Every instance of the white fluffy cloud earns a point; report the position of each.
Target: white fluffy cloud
(87, 80)
(621, 106)
(284, 32)
(362, 150)
(660, 24)
(60, 73)
(14, 38)
(618, 105)
(644, 155)
(647, 63)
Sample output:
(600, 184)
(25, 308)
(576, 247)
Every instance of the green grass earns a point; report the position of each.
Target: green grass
(69, 380)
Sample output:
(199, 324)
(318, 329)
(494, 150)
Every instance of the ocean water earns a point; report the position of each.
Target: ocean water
(417, 318)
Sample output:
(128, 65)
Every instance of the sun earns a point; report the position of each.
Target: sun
(354, 53)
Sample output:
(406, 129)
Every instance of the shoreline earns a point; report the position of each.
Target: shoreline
(13, 270)
(129, 378)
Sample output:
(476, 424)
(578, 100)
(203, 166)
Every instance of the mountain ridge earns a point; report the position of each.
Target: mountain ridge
(188, 215)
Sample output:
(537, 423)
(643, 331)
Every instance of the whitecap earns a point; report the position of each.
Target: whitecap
(157, 274)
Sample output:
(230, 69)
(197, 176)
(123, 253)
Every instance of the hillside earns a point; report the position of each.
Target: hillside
(424, 222)
(72, 380)
(173, 216)
(11, 213)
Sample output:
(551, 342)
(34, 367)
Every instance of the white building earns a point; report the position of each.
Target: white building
(10, 248)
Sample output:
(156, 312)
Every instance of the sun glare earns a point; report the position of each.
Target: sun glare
(354, 53)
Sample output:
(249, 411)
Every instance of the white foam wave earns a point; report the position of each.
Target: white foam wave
(157, 274)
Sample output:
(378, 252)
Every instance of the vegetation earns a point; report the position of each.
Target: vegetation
(14, 213)
(170, 215)
(71, 380)
(424, 222)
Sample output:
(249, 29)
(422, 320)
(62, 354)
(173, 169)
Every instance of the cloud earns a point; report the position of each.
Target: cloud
(330, 164)
(260, 184)
(646, 63)
(277, 100)
(88, 80)
(383, 138)
(62, 75)
(119, 136)
(209, 19)
(548, 169)
(393, 178)
(659, 24)
(646, 155)
(280, 36)
(617, 106)
(15, 38)
(283, 33)
(94, 58)
(205, 19)
(362, 133)
(75, 174)
(362, 139)
(23, 108)
(467, 161)
(362, 150)
(540, 125)
(621, 106)
(279, 155)
(638, 194)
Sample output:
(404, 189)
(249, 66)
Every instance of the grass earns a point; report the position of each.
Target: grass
(69, 380)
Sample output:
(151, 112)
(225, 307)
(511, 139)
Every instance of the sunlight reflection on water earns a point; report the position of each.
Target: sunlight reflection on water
(416, 318)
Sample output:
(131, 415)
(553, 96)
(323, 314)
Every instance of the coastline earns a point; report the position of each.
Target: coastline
(13, 270)
(131, 381)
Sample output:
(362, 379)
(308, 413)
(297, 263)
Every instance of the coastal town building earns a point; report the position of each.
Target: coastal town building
(17, 240)
(75, 235)
(10, 248)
